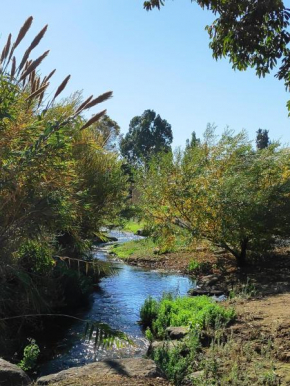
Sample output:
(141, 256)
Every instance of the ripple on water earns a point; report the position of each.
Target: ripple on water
(116, 303)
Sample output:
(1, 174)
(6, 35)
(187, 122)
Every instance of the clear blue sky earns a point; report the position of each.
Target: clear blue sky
(156, 60)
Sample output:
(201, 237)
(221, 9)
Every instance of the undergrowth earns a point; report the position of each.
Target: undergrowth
(198, 313)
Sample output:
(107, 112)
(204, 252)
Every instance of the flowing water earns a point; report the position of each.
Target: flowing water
(117, 303)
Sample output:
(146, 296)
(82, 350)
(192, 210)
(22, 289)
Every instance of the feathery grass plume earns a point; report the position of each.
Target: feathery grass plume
(23, 31)
(6, 49)
(13, 68)
(33, 44)
(94, 119)
(50, 75)
(33, 66)
(41, 98)
(61, 87)
(82, 106)
(99, 99)
(32, 77)
(37, 85)
(33, 85)
(37, 92)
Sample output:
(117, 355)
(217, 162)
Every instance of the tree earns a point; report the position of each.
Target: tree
(252, 33)
(194, 141)
(262, 139)
(107, 131)
(148, 135)
(222, 191)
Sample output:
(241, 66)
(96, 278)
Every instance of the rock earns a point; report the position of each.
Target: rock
(284, 356)
(12, 375)
(209, 280)
(130, 367)
(196, 374)
(193, 377)
(166, 344)
(111, 238)
(177, 332)
(208, 292)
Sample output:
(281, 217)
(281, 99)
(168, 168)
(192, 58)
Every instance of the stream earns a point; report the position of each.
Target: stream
(117, 302)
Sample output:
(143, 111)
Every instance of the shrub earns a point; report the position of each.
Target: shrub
(30, 355)
(197, 268)
(174, 364)
(35, 257)
(199, 312)
(149, 312)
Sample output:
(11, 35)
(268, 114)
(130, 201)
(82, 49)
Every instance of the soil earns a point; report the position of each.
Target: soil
(263, 325)
(113, 380)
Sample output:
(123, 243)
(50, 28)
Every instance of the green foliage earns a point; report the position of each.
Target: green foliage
(173, 362)
(60, 181)
(30, 355)
(149, 335)
(136, 248)
(223, 191)
(133, 226)
(148, 135)
(198, 312)
(197, 268)
(262, 139)
(149, 312)
(35, 256)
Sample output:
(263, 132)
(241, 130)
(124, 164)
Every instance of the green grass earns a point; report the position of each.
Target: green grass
(136, 248)
(133, 226)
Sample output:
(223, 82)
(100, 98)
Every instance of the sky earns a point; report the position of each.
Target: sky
(157, 60)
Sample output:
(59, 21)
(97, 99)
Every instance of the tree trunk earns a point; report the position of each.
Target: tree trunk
(241, 258)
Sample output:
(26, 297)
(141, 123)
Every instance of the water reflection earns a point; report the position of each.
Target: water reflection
(117, 302)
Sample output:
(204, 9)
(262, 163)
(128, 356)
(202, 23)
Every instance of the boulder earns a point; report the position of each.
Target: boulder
(12, 375)
(130, 367)
(177, 332)
(165, 344)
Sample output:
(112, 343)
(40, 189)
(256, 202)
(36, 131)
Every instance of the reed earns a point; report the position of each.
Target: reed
(6, 49)
(94, 119)
(31, 67)
(99, 99)
(61, 87)
(33, 44)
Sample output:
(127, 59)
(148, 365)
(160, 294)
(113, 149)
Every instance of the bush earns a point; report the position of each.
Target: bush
(174, 364)
(197, 268)
(199, 312)
(149, 312)
(35, 257)
(30, 355)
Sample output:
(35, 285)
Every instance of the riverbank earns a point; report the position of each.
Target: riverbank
(252, 351)
(255, 349)
(266, 276)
